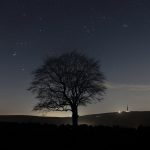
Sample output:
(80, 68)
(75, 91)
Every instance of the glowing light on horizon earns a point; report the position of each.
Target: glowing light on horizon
(119, 111)
(127, 111)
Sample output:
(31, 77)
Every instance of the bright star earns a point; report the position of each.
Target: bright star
(14, 54)
(125, 25)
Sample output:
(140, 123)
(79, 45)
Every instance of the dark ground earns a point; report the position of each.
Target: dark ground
(37, 136)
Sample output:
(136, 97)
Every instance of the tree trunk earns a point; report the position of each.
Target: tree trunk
(75, 117)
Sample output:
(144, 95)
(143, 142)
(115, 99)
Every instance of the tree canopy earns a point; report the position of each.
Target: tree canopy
(67, 81)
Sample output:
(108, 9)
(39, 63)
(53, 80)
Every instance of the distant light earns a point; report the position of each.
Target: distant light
(98, 116)
(127, 111)
(119, 111)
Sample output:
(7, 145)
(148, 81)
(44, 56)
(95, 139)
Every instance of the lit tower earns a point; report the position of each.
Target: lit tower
(127, 109)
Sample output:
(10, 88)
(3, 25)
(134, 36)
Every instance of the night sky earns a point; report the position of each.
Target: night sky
(113, 31)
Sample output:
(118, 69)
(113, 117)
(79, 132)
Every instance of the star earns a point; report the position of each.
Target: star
(21, 43)
(87, 30)
(42, 30)
(125, 25)
(103, 17)
(22, 69)
(41, 18)
(24, 14)
(14, 54)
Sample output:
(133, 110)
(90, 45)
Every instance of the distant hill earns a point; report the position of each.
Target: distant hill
(34, 119)
(124, 119)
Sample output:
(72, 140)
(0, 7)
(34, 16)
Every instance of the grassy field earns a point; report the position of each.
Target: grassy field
(28, 135)
(104, 131)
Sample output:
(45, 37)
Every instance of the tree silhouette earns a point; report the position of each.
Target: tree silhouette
(63, 83)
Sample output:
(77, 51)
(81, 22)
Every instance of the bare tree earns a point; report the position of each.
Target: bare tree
(63, 83)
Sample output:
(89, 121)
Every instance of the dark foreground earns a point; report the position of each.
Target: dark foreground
(27, 136)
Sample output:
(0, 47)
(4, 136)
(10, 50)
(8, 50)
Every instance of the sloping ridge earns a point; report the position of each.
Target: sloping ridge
(125, 119)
